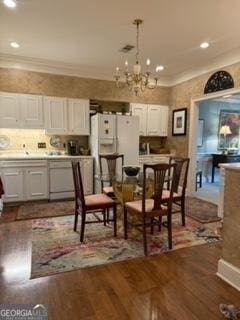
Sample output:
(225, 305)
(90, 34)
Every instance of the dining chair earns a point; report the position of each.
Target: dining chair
(111, 161)
(151, 211)
(179, 185)
(90, 204)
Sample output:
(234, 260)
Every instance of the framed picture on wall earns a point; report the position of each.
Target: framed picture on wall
(200, 132)
(179, 122)
(229, 129)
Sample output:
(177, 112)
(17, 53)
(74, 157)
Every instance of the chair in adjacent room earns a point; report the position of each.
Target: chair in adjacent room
(150, 211)
(111, 160)
(179, 185)
(90, 204)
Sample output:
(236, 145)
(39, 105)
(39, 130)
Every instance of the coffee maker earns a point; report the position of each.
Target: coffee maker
(72, 146)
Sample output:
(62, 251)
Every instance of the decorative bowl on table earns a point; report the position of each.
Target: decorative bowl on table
(131, 171)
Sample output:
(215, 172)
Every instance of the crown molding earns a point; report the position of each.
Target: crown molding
(61, 68)
(221, 61)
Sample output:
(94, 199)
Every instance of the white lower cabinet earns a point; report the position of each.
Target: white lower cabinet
(43, 179)
(24, 180)
(13, 184)
(36, 183)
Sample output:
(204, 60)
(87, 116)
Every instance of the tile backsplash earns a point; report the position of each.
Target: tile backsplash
(30, 138)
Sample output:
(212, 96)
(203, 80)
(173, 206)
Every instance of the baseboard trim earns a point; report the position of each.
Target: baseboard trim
(229, 273)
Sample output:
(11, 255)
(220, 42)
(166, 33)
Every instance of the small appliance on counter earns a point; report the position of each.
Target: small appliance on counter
(72, 147)
(144, 148)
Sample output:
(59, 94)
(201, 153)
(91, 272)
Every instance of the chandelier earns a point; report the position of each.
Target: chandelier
(137, 80)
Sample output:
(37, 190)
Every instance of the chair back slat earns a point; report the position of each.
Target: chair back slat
(160, 173)
(111, 160)
(181, 173)
(78, 186)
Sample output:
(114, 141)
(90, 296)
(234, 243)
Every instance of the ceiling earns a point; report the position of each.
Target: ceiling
(84, 37)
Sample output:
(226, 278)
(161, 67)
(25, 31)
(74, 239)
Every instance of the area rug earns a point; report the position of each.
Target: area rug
(56, 248)
(200, 210)
(45, 210)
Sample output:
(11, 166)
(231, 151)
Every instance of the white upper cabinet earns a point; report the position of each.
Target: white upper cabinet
(140, 110)
(78, 112)
(66, 116)
(153, 119)
(164, 121)
(9, 110)
(32, 115)
(56, 115)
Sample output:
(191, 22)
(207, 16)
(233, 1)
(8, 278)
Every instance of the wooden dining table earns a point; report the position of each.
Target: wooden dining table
(127, 189)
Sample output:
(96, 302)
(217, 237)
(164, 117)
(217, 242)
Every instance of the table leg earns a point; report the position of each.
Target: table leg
(213, 171)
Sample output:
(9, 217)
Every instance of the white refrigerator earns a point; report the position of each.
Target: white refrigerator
(114, 134)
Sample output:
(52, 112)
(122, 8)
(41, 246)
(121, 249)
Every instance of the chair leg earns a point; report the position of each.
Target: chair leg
(75, 221)
(152, 226)
(104, 217)
(183, 211)
(115, 220)
(82, 226)
(160, 223)
(125, 222)
(145, 237)
(169, 222)
(107, 215)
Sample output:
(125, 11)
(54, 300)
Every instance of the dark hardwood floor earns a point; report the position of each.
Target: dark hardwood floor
(177, 285)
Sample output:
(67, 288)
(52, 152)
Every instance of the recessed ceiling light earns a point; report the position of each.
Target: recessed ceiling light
(14, 45)
(10, 3)
(204, 45)
(159, 68)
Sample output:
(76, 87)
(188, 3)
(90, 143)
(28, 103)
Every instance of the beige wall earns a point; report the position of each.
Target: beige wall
(180, 97)
(14, 80)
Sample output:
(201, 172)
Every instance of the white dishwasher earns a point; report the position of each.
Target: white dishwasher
(61, 179)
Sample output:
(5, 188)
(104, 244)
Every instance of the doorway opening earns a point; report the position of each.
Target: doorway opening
(214, 138)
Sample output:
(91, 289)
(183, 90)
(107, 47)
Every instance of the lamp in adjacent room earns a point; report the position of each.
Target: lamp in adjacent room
(225, 130)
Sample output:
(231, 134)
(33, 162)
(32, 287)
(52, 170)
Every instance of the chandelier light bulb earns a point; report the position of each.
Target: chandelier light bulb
(117, 70)
(148, 62)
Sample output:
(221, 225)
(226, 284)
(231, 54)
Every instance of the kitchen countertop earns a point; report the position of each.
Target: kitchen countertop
(39, 156)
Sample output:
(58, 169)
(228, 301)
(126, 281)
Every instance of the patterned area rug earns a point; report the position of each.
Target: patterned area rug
(200, 210)
(45, 210)
(56, 247)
